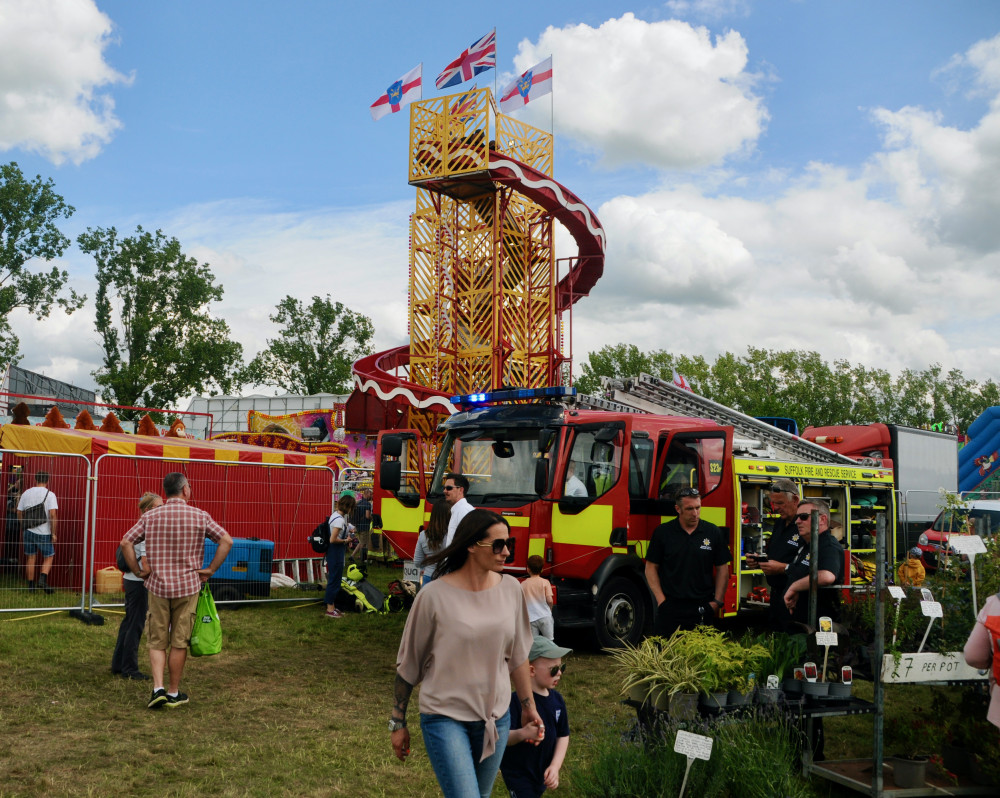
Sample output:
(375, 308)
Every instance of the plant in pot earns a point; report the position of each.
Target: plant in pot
(676, 682)
(746, 659)
(911, 745)
(638, 667)
(717, 659)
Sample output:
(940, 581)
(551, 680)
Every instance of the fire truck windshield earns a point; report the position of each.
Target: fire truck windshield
(499, 464)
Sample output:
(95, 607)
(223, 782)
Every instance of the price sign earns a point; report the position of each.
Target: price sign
(932, 609)
(693, 746)
(897, 592)
(967, 544)
(826, 638)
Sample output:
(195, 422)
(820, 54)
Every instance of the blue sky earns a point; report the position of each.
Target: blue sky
(782, 174)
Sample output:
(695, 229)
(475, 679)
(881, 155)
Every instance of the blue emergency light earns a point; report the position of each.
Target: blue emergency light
(513, 394)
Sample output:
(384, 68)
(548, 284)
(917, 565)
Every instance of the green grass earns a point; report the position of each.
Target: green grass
(294, 705)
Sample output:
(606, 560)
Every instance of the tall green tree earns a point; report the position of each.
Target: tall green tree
(315, 348)
(803, 386)
(160, 341)
(28, 215)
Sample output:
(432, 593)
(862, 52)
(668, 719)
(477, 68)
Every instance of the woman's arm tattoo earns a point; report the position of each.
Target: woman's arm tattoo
(401, 696)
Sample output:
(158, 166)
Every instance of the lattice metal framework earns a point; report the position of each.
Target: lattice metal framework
(482, 268)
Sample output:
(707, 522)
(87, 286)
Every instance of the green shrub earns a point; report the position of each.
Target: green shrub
(755, 757)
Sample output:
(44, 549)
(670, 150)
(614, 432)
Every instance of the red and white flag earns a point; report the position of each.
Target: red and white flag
(480, 56)
(681, 381)
(403, 92)
(531, 85)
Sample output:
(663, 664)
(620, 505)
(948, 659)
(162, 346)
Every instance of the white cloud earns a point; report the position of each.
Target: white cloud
(657, 93)
(895, 264)
(53, 79)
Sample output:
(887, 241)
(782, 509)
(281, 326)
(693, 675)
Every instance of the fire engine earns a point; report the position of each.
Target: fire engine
(527, 453)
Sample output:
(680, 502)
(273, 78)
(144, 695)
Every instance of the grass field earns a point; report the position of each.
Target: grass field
(295, 705)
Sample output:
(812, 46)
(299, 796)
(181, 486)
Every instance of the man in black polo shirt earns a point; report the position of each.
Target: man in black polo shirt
(831, 565)
(679, 563)
(782, 546)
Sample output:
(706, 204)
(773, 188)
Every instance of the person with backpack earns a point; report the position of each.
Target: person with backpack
(36, 510)
(340, 532)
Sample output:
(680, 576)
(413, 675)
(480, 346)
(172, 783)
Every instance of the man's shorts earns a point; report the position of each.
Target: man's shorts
(38, 544)
(169, 621)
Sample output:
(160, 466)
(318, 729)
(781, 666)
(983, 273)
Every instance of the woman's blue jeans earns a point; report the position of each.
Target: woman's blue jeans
(454, 748)
(335, 571)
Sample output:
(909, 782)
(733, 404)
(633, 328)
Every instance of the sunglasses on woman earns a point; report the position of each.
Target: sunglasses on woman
(498, 544)
(557, 669)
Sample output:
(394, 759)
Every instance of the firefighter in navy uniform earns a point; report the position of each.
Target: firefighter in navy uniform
(782, 546)
(679, 563)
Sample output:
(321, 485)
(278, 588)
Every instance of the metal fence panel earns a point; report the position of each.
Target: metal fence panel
(258, 504)
(69, 478)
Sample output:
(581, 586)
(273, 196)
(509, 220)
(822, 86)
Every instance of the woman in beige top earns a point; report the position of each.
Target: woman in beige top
(466, 638)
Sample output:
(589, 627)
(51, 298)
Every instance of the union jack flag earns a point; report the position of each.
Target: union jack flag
(480, 56)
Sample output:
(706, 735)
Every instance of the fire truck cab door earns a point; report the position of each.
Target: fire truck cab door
(400, 489)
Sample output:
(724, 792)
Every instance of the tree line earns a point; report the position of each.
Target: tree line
(803, 386)
(159, 338)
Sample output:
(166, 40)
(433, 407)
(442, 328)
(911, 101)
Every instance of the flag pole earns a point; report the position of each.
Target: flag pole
(552, 116)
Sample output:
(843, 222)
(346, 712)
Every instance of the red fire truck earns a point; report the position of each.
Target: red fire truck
(523, 450)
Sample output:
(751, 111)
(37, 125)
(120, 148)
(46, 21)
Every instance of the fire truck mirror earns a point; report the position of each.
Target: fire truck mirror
(392, 446)
(606, 434)
(503, 449)
(619, 538)
(541, 475)
(545, 439)
(390, 474)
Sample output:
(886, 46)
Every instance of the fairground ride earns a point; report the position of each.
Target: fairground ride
(488, 299)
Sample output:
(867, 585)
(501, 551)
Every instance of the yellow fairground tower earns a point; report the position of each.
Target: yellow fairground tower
(485, 297)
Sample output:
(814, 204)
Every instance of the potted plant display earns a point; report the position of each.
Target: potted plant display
(911, 745)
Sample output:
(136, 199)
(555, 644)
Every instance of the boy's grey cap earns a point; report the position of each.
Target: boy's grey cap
(785, 486)
(543, 647)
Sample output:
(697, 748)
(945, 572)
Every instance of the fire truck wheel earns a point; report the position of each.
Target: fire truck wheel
(620, 614)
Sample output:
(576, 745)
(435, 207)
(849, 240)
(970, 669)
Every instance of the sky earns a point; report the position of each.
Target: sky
(785, 174)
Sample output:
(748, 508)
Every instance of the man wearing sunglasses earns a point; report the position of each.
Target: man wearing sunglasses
(682, 556)
(831, 565)
(782, 546)
(455, 486)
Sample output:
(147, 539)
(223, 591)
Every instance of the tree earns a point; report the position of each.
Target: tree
(28, 215)
(802, 386)
(160, 342)
(315, 348)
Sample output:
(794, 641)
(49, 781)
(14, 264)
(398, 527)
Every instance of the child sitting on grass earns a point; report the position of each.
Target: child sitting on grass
(535, 754)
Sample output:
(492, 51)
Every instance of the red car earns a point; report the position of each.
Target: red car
(981, 517)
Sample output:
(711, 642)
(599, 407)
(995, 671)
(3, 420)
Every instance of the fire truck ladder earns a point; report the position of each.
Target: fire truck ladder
(648, 394)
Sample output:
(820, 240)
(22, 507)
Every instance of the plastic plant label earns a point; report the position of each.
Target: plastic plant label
(826, 638)
(897, 592)
(826, 624)
(847, 674)
(799, 674)
(693, 746)
(811, 671)
(772, 682)
(967, 544)
(932, 609)
(925, 592)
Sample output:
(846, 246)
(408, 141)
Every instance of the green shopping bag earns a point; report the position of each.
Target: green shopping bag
(206, 636)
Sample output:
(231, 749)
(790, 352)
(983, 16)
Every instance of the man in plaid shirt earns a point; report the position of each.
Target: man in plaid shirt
(175, 552)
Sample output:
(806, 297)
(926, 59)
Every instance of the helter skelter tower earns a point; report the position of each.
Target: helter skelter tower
(486, 300)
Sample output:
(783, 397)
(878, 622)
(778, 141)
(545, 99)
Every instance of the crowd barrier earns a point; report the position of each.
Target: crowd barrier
(269, 508)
